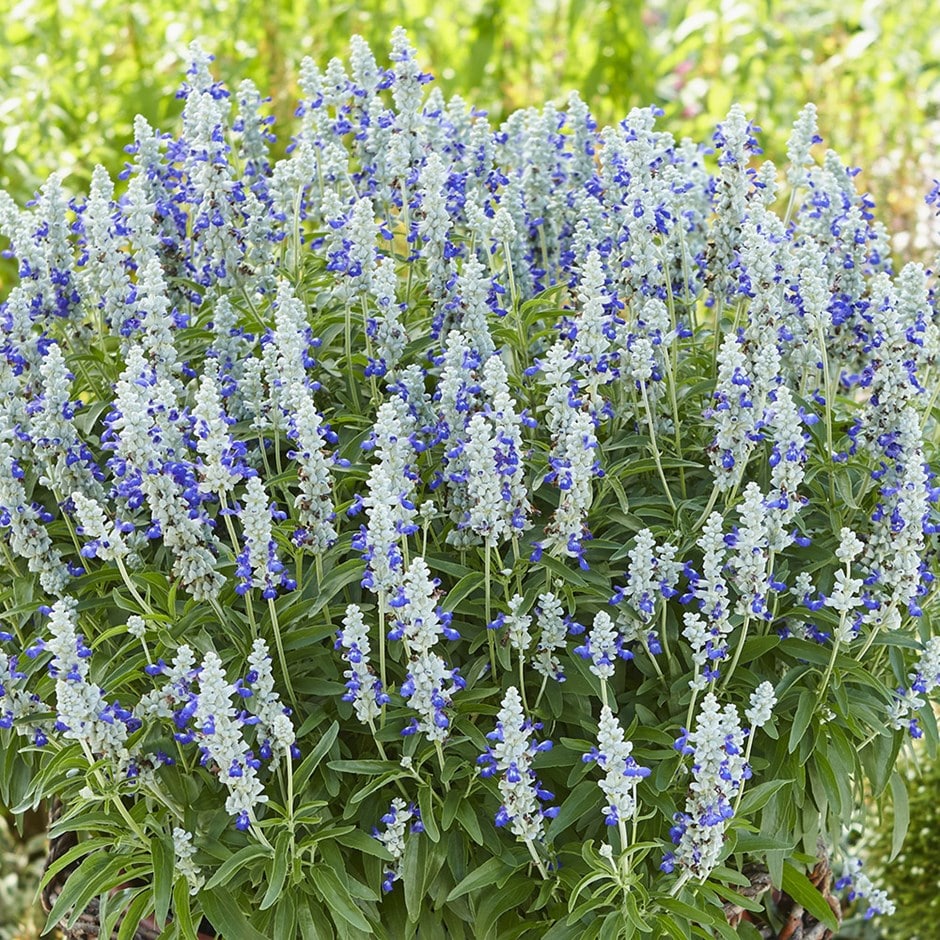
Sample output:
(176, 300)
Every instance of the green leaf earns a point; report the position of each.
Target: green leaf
(879, 759)
(285, 918)
(563, 931)
(684, 911)
(446, 564)
(162, 856)
(362, 842)
(312, 923)
(756, 798)
(376, 784)
(804, 712)
(310, 763)
(729, 894)
(756, 646)
(902, 814)
(775, 862)
(467, 817)
(136, 912)
(617, 487)
(96, 874)
(337, 899)
(613, 925)
(368, 768)
(748, 931)
(462, 589)
(757, 844)
(239, 860)
(721, 874)
(675, 929)
(414, 873)
(72, 855)
(633, 915)
(341, 576)
(725, 930)
(278, 870)
(182, 909)
(451, 804)
(489, 873)
(426, 805)
(584, 796)
(801, 889)
(497, 903)
(226, 916)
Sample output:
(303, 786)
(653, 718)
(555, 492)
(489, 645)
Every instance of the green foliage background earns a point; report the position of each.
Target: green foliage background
(912, 876)
(73, 73)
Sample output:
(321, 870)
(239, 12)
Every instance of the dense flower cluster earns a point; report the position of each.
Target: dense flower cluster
(400, 819)
(468, 385)
(511, 755)
(622, 772)
(719, 771)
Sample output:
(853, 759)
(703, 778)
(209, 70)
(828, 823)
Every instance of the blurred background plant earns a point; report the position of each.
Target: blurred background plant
(22, 857)
(912, 877)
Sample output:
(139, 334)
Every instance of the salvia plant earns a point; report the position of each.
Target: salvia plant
(457, 530)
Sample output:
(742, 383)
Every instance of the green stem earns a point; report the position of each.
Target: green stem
(349, 357)
(652, 659)
(656, 457)
(737, 652)
(791, 202)
(272, 609)
(832, 661)
(622, 829)
(68, 522)
(264, 456)
(747, 757)
(289, 774)
(680, 884)
(525, 704)
(230, 527)
(706, 512)
(440, 760)
(868, 642)
(376, 397)
(671, 373)
(535, 858)
(491, 639)
(664, 639)
(113, 798)
(633, 819)
(250, 610)
(130, 586)
(538, 698)
(928, 411)
(671, 383)
(318, 565)
(691, 712)
(516, 312)
(8, 559)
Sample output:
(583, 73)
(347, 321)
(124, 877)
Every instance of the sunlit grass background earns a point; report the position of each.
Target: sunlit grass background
(73, 74)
